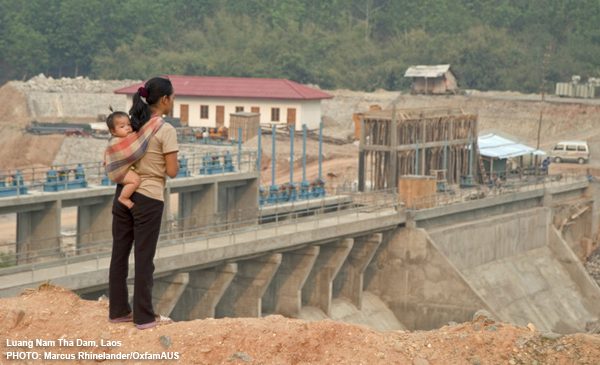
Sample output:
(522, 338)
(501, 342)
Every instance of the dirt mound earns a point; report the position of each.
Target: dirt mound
(17, 148)
(13, 111)
(50, 313)
(25, 151)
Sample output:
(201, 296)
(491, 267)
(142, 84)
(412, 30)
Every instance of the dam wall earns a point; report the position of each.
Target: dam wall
(421, 286)
(380, 265)
(523, 270)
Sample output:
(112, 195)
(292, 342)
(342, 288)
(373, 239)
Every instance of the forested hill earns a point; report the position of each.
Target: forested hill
(355, 44)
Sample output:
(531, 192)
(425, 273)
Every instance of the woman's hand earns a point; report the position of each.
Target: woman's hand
(172, 165)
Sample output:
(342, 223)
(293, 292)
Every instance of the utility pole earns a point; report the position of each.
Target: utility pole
(545, 61)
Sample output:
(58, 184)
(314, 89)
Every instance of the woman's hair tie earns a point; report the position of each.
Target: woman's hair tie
(143, 92)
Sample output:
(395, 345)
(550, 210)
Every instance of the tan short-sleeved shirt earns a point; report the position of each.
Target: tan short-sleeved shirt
(152, 167)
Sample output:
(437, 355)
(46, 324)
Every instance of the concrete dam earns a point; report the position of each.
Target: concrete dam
(521, 269)
(358, 257)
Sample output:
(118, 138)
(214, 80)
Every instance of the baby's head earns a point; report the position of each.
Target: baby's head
(118, 124)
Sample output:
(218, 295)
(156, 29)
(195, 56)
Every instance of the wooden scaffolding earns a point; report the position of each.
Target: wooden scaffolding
(401, 142)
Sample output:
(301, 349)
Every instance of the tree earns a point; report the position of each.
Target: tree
(491, 44)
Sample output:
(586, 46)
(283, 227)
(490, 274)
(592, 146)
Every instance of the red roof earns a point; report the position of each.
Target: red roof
(237, 87)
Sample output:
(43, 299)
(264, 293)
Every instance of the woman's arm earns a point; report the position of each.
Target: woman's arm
(171, 163)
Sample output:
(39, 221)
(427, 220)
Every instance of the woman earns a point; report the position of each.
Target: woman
(141, 223)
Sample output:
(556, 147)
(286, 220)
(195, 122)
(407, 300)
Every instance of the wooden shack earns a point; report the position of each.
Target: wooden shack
(247, 121)
(436, 79)
(416, 142)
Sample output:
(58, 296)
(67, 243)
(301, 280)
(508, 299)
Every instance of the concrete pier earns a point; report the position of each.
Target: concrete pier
(38, 233)
(245, 292)
(349, 281)
(167, 291)
(198, 206)
(204, 291)
(94, 221)
(284, 295)
(238, 201)
(318, 289)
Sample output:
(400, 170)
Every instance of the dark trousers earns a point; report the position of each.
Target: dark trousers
(138, 227)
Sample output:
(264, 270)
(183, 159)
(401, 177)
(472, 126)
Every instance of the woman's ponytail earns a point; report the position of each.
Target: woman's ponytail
(140, 112)
(148, 95)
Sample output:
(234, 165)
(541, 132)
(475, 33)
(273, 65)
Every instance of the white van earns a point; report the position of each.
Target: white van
(571, 151)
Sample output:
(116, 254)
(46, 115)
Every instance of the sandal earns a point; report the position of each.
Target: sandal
(158, 321)
(127, 318)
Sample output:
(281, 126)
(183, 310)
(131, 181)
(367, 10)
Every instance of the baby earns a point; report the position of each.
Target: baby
(119, 126)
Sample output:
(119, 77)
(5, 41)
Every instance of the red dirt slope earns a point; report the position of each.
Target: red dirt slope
(52, 313)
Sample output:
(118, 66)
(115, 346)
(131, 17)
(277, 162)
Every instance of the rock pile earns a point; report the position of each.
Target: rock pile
(70, 85)
(592, 265)
(70, 99)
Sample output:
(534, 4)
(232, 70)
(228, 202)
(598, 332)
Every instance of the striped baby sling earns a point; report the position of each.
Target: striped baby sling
(120, 155)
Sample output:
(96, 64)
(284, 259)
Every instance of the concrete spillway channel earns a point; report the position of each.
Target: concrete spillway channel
(520, 269)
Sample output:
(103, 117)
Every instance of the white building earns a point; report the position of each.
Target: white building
(207, 101)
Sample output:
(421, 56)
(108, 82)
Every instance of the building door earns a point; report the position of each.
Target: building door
(291, 116)
(220, 116)
(184, 114)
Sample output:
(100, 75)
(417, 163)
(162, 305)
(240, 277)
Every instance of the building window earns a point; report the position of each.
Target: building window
(239, 109)
(203, 111)
(274, 114)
